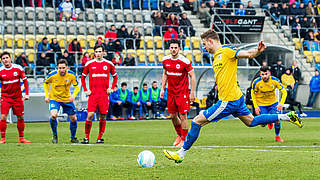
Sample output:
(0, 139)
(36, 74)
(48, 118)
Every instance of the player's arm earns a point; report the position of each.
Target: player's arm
(25, 84)
(193, 84)
(283, 96)
(164, 82)
(252, 53)
(76, 89)
(46, 85)
(115, 77)
(83, 80)
(254, 99)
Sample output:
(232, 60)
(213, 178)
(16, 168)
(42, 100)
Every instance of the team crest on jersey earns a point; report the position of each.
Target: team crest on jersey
(272, 86)
(105, 68)
(178, 66)
(15, 74)
(219, 57)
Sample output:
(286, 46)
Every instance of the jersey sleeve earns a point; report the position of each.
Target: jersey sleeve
(189, 68)
(113, 70)
(22, 74)
(231, 52)
(48, 80)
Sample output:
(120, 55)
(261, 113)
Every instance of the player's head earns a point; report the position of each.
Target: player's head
(264, 63)
(62, 66)
(154, 84)
(123, 86)
(98, 51)
(288, 71)
(174, 46)
(316, 72)
(135, 90)
(210, 40)
(265, 73)
(6, 59)
(144, 86)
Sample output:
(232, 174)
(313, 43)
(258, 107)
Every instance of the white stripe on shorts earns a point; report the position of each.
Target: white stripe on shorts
(222, 106)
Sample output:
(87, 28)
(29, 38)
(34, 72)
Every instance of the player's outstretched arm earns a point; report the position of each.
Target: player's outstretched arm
(164, 83)
(252, 53)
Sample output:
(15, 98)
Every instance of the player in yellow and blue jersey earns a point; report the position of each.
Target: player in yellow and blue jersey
(231, 100)
(60, 82)
(264, 96)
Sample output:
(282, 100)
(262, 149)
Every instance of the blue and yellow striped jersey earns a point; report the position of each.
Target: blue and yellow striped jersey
(60, 85)
(264, 94)
(225, 72)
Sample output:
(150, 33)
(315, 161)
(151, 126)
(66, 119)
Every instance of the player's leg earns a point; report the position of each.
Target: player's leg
(70, 109)
(184, 128)
(103, 106)
(54, 108)
(18, 110)
(277, 125)
(173, 111)
(5, 107)
(92, 107)
(183, 108)
(141, 111)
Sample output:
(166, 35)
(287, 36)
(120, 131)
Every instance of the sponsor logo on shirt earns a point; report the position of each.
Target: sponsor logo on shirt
(178, 66)
(15, 74)
(168, 65)
(105, 68)
(272, 86)
(93, 67)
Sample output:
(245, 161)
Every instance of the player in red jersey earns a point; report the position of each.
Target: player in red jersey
(99, 71)
(11, 95)
(176, 69)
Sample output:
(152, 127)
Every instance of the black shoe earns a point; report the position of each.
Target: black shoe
(55, 139)
(85, 141)
(74, 140)
(100, 141)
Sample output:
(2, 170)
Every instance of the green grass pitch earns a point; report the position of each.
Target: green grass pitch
(225, 150)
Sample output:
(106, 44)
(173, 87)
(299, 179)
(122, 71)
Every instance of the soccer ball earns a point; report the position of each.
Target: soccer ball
(146, 159)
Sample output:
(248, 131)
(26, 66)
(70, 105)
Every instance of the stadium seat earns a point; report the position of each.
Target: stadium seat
(31, 40)
(197, 55)
(19, 13)
(158, 41)
(188, 54)
(149, 41)
(20, 28)
(20, 41)
(141, 55)
(160, 55)
(309, 56)
(195, 42)
(9, 13)
(151, 56)
(298, 43)
(9, 40)
(316, 55)
(17, 52)
(61, 39)
(31, 55)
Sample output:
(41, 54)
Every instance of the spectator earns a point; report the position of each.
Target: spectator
(44, 46)
(182, 38)
(284, 12)
(123, 34)
(296, 28)
(240, 11)
(314, 25)
(294, 10)
(42, 64)
(99, 41)
(69, 58)
(75, 51)
(297, 77)
(85, 58)
(129, 60)
(302, 10)
(111, 34)
(117, 60)
(212, 5)
(167, 9)
(135, 35)
(287, 79)
(125, 100)
(66, 10)
(116, 46)
(170, 34)
(172, 20)
(292, 102)
(204, 14)
(275, 12)
(105, 44)
(115, 109)
(190, 5)
(186, 25)
(144, 100)
(305, 25)
(158, 20)
(176, 8)
(317, 8)
(223, 10)
(23, 61)
(154, 99)
(278, 69)
(310, 36)
(56, 48)
(314, 89)
(250, 9)
(134, 100)
(291, 2)
(310, 10)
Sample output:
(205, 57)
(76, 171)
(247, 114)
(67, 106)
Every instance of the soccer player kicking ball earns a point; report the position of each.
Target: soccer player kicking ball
(264, 96)
(99, 70)
(60, 82)
(231, 100)
(176, 69)
(11, 95)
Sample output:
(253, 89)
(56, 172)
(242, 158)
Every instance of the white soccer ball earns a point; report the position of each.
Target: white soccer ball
(146, 159)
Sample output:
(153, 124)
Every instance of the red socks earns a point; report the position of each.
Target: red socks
(184, 133)
(178, 130)
(102, 127)
(20, 126)
(87, 128)
(3, 128)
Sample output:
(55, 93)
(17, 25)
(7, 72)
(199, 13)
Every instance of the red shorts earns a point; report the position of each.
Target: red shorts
(16, 104)
(101, 101)
(180, 104)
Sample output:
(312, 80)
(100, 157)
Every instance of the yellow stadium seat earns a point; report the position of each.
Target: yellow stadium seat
(17, 52)
(151, 56)
(62, 43)
(39, 37)
(316, 55)
(31, 40)
(92, 42)
(9, 40)
(20, 40)
(90, 51)
(197, 56)
(196, 42)
(160, 55)
(187, 41)
(31, 54)
(142, 58)
(309, 56)
(298, 42)
(158, 41)
(188, 54)
(149, 41)
(132, 52)
(167, 52)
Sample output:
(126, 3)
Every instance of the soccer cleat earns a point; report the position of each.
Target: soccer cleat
(121, 118)
(23, 140)
(270, 126)
(162, 116)
(303, 115)
(278, 139)
(3, 140)
(74, 140)
(100, 141)
(172, 156)
(131, 118)
(294, 119)
(177, 141)
(55, 139)
(85, 141)
(114, 118)
(141, 117)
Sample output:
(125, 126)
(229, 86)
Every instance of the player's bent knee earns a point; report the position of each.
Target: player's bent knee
(201, 120)
(73, 118)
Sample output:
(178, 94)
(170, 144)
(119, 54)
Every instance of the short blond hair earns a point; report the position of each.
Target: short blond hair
(210, 34)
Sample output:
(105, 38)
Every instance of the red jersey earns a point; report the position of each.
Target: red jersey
(177, 73)
(10, 81)
(99, 74)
